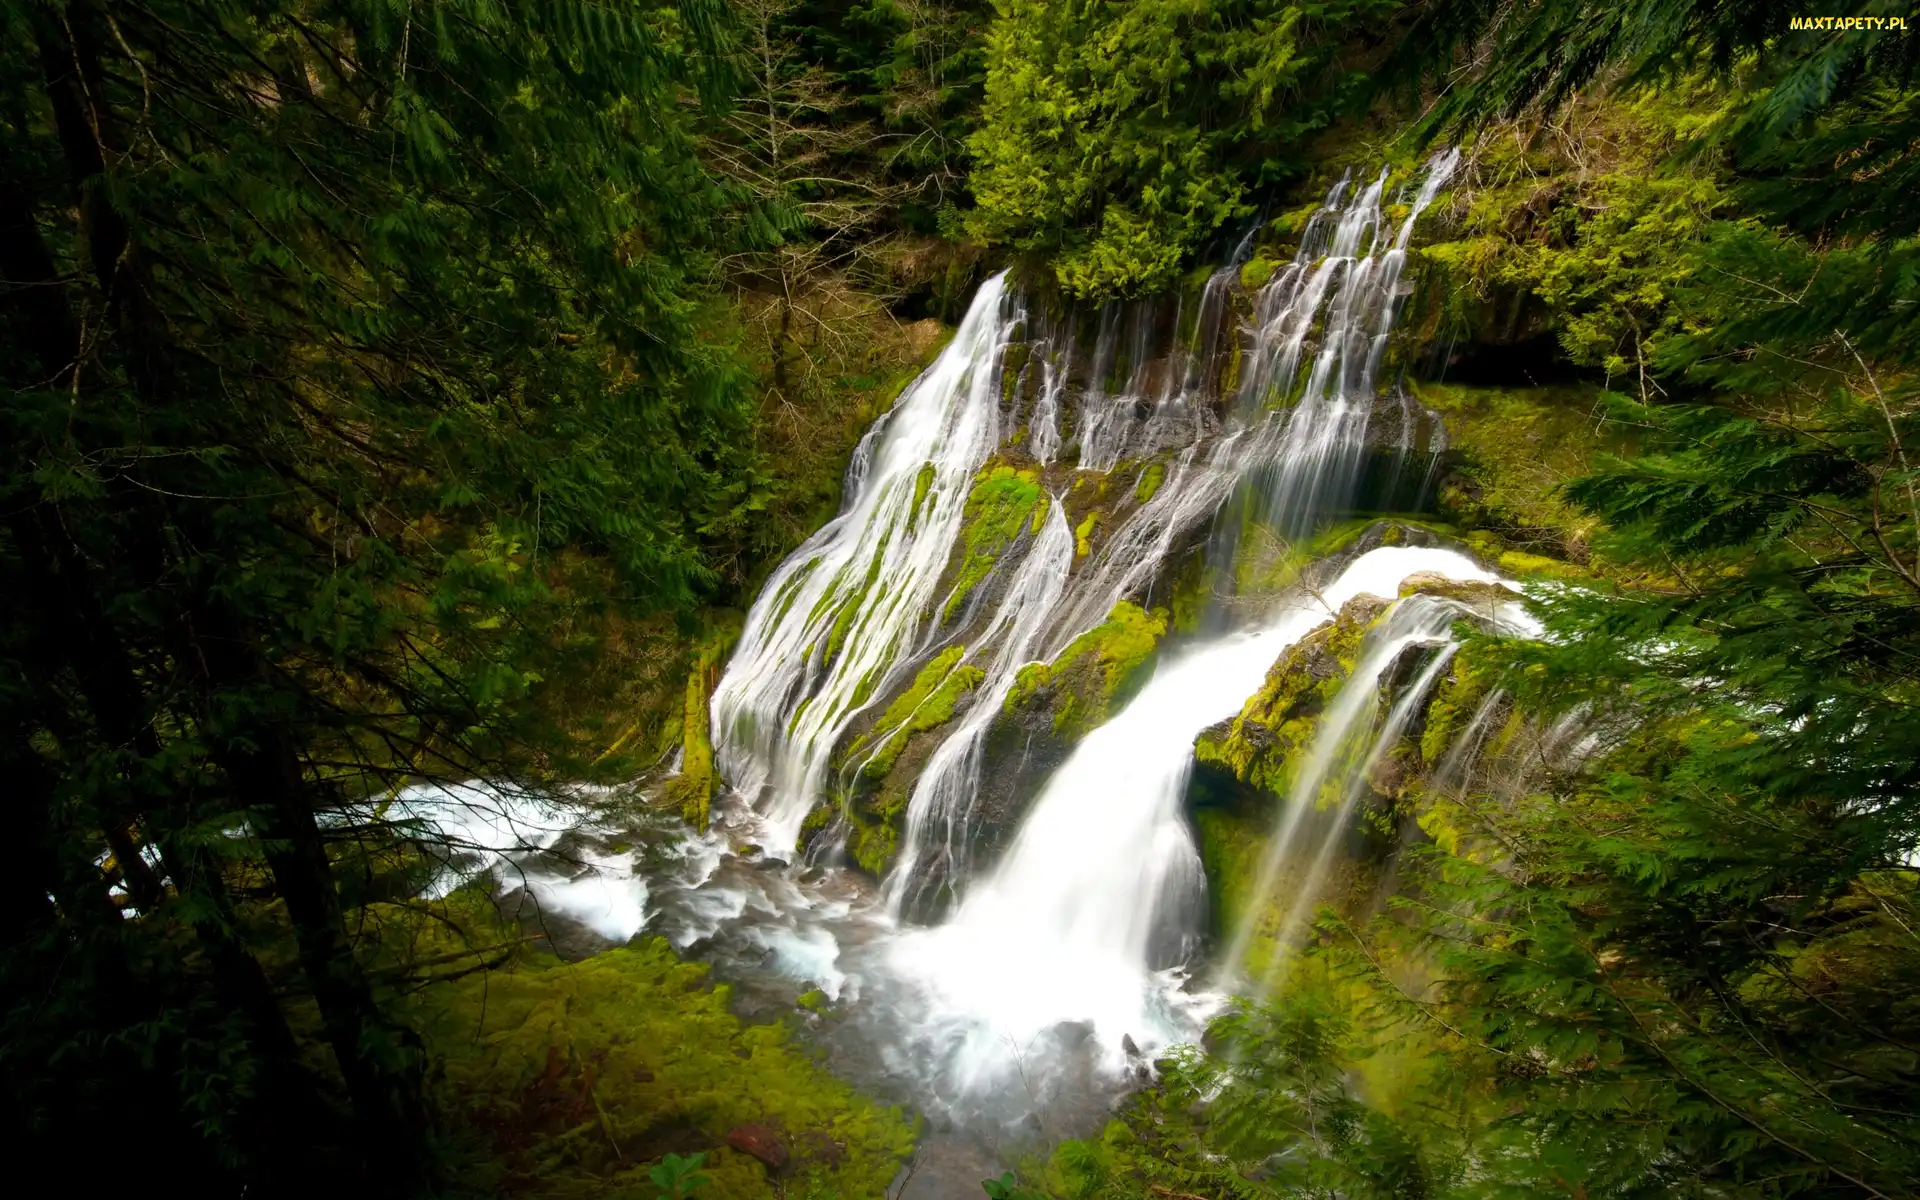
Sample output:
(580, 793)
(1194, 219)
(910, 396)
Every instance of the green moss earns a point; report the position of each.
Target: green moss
(1232, 845)
(1095, 674)
(877, 799)
(927, 703)
(1011, 364)
(1192, 590)
(691, 791)
(1257, 271)
(1002, 499)
(1516, 448)
(922, 483)
(582, 1075)
(1259, 746)
(1150, 480)
(791, 589)
(1083, 535)
(1454, 702)
(872, 842)
(813, 1000)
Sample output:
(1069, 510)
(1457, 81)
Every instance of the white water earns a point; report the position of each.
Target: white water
(845, 619)
(789, 692)
(944, 795)
(1086, 915)
(479, 828)
(1064, 927)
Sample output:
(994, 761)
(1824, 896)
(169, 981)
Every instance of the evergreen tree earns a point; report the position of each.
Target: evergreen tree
(1116, 137)
(352, 348)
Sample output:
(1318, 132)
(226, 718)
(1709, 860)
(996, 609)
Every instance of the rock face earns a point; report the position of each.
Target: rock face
(1479, 596)
(1258, 747)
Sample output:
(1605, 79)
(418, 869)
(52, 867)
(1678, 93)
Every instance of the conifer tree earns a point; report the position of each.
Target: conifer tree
(351, 347)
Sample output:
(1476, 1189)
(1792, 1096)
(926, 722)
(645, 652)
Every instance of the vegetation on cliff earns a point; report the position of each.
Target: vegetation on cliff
(408, 392)
(1004, 502)
(877, 798)
(1081, 688)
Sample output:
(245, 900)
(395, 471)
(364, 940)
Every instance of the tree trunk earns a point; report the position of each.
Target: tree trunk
(381, 1061)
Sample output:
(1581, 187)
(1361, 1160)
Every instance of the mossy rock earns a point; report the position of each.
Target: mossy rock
(1475, 594)
(1258, 270)
(1512, 451)
(691, 791)
(1258, 747)
(1094, 675)
(1005, 501)
(889, 754)
(928, 703)
(578, 1077)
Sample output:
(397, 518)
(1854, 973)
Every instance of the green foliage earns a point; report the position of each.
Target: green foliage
(1008, 1188)
(1116, 137)
(1593, 222)
(580, 1075)
(363, 383)
(678, 1176)
(1274, 1111)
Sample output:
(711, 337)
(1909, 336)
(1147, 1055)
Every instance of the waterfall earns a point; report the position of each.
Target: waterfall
(943, 796)
(1324, 433)
(1059, 967)
(1090, 898)
(1350, 741)
(835, 626)
(843, 622)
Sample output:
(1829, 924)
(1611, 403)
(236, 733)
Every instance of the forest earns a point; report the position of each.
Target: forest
(904, 599)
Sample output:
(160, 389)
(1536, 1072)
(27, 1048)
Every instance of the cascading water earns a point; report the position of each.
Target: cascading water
(1101, 884)
(843, 619)
(944, 794)
(1071, 946)
(837, 622)
(1352, 738)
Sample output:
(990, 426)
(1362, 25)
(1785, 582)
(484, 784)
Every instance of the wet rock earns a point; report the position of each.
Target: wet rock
(1474, 594)
(1129, 1046)
(1070, 1035)
(760, 1142)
